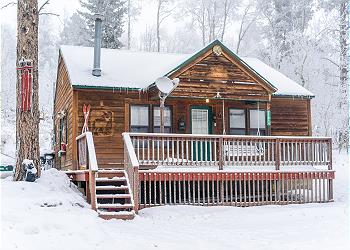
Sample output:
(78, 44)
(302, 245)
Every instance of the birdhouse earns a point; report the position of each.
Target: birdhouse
(26, 84)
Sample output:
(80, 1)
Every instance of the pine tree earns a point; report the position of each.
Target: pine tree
(113, 12)
(75, 32)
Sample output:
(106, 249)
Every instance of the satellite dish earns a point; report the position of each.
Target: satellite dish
(164, 85)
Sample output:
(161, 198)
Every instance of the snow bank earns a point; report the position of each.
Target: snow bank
(49, 214)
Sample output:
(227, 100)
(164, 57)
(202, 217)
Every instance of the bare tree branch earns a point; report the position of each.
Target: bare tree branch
(8, 4)
(48, 14)
(329, 60)
(43, 5)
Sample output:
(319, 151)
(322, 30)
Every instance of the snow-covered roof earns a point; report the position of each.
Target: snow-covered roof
(284, 85)
(138, 70)
(119, 68)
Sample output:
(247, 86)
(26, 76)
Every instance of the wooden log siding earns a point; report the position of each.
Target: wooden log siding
(108, 130)
(212, 74)
(234, 188)
(64, 102)
(290, 117)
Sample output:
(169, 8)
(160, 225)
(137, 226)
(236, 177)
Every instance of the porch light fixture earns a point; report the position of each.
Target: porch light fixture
(207, 100)
(165, 87)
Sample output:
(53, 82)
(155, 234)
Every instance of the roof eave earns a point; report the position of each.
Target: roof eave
(76, 86)
(294, 96)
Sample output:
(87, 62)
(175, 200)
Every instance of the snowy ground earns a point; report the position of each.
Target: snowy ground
(49, 214)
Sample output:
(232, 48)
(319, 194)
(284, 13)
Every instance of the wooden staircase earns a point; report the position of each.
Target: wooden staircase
(113, 195)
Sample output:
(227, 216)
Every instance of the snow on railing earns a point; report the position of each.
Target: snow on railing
(151, 150)
(87, 160)
(131, 166)
(86, 152)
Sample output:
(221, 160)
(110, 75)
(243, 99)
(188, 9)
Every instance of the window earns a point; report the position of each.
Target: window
(139, 118)
(257, 120)
(237, 122)
(167, 119)
(63, 135)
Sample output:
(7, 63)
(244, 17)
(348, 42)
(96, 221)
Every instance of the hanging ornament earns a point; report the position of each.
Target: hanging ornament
(26, 81)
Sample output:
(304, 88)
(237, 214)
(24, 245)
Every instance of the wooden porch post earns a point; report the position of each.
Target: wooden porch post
(277, 154)
(268, 114)
(221, 155)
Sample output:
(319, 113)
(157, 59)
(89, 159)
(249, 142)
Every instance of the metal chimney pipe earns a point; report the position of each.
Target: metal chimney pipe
(96, 71)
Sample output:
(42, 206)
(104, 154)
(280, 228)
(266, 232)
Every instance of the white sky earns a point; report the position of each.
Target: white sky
(67, 7)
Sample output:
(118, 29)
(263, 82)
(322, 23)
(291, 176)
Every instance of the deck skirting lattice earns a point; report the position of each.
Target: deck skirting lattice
(234, 189)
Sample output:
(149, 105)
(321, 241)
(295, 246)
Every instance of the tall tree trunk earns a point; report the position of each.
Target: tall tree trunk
(158, 24)
(27, 123)
(343, 88)
(129, 23)
(203, 23)
(226, 13)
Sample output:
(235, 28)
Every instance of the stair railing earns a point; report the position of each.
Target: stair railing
(87, 160)
(131, 166)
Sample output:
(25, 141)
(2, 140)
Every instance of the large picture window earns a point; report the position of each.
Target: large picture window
(257, 120)
(139, 118)
(237, 122)
(167, 119)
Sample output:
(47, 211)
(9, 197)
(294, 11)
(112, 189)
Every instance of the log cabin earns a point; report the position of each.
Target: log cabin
(124, 98)
(236, 131)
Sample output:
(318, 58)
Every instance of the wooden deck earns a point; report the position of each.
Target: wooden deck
(179, 169)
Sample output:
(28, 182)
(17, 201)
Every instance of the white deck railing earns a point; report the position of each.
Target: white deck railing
(153, 150)
(283, 181)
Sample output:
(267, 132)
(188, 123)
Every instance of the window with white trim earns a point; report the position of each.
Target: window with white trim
(237, 122)
(139, 118)
(257, 120)
(167, 119)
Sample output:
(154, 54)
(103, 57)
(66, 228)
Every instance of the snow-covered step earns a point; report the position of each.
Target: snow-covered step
(124, 215)
(111, 196)
(105, 179)
(116, 205)
(116, 213)
(112, 188)
(111, 171)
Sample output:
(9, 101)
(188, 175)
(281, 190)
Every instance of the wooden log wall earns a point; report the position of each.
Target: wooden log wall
(212, 74)
(109, 114)
(63, 102)
(290, 117)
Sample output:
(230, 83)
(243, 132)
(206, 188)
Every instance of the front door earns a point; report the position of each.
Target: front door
(201, 124)
(200, 120)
